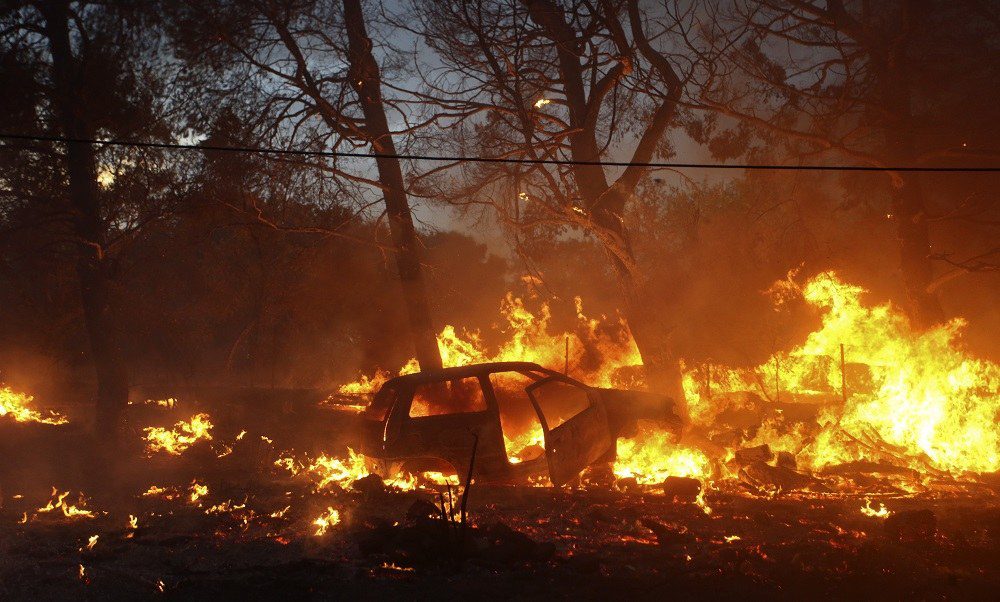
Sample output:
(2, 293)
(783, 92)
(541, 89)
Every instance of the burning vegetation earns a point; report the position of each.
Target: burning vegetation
(864, 421)
(502, 299)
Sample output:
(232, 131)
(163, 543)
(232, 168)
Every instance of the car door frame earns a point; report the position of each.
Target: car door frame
(577, 442)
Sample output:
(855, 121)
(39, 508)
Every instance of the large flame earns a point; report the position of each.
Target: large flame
(595, 352)
(912, 397)
(899, 395)
(17, 406)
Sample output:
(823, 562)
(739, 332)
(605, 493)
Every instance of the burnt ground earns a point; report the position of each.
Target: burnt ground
(238, 539)
(525, 543)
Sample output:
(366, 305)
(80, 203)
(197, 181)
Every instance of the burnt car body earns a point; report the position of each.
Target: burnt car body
(424, 419)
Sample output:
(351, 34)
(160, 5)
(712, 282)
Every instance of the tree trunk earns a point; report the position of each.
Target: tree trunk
(913, 239)
(907, 199)
(92, 266)
(367, 82)
(659, 360)
(606, 205)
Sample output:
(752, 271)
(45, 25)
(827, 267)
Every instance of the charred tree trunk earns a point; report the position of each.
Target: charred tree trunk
(89, 227)
(659, 360)
(915, 264)
(909, 211)
(606, 205)
(367, 82)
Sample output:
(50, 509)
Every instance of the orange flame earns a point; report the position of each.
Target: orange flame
(16, 405)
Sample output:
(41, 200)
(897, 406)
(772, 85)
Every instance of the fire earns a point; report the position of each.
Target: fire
(880, 390)
(184, 434)
(526, 446)
(869, 510)
(92, 541)
(326, 520)
(596, 352)
(328, 470)
(197, 491)
(912, 397)
(58, 502)
(16, 405)
(652, 456)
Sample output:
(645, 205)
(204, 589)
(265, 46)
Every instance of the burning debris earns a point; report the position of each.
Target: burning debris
(59, 504)
(177, 440)
(820, 441)
(17, 406)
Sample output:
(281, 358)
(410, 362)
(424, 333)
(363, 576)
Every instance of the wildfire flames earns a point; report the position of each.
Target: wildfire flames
(58, 504)
(912, 398)
(900, 396)
(184, 434)
(17, 406)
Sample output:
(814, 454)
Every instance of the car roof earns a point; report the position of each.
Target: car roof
(470, 370)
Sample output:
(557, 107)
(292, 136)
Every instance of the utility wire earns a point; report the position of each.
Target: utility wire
(458, 158)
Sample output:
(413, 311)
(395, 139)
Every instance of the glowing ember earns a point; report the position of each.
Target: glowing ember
(155, 491)
(326, 520)
(869, 510)
(225, 507)
(197, 491)
(16, 406)
(58, 502)
(92, 541)
(184, 434)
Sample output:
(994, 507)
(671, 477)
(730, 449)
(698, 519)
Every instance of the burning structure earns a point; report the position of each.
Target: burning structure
(250, 259)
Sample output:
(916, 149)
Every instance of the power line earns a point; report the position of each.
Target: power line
(459, 158)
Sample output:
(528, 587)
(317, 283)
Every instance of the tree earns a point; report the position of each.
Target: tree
(84, 65)
(318, 93)
(875, 83)
(541, 80)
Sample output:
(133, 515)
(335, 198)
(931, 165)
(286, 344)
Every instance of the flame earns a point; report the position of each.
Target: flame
(869, 510)
(92, 541)
(197, 491)
(58, 502)
(652, 456)
(184, 434)
(905, 397)
(541, 102)
(16, 405)
(326, 470)
(913, 397)
(326, 520)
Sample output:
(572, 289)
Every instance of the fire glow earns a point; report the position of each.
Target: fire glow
(17, 406)
(917, 400)
(184, 434)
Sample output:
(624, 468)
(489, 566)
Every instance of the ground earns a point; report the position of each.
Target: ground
(251, 531)
(587, 544)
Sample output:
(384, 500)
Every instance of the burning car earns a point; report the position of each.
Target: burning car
(476, 418)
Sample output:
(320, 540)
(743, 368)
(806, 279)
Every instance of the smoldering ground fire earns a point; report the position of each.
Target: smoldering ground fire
(521, 298)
